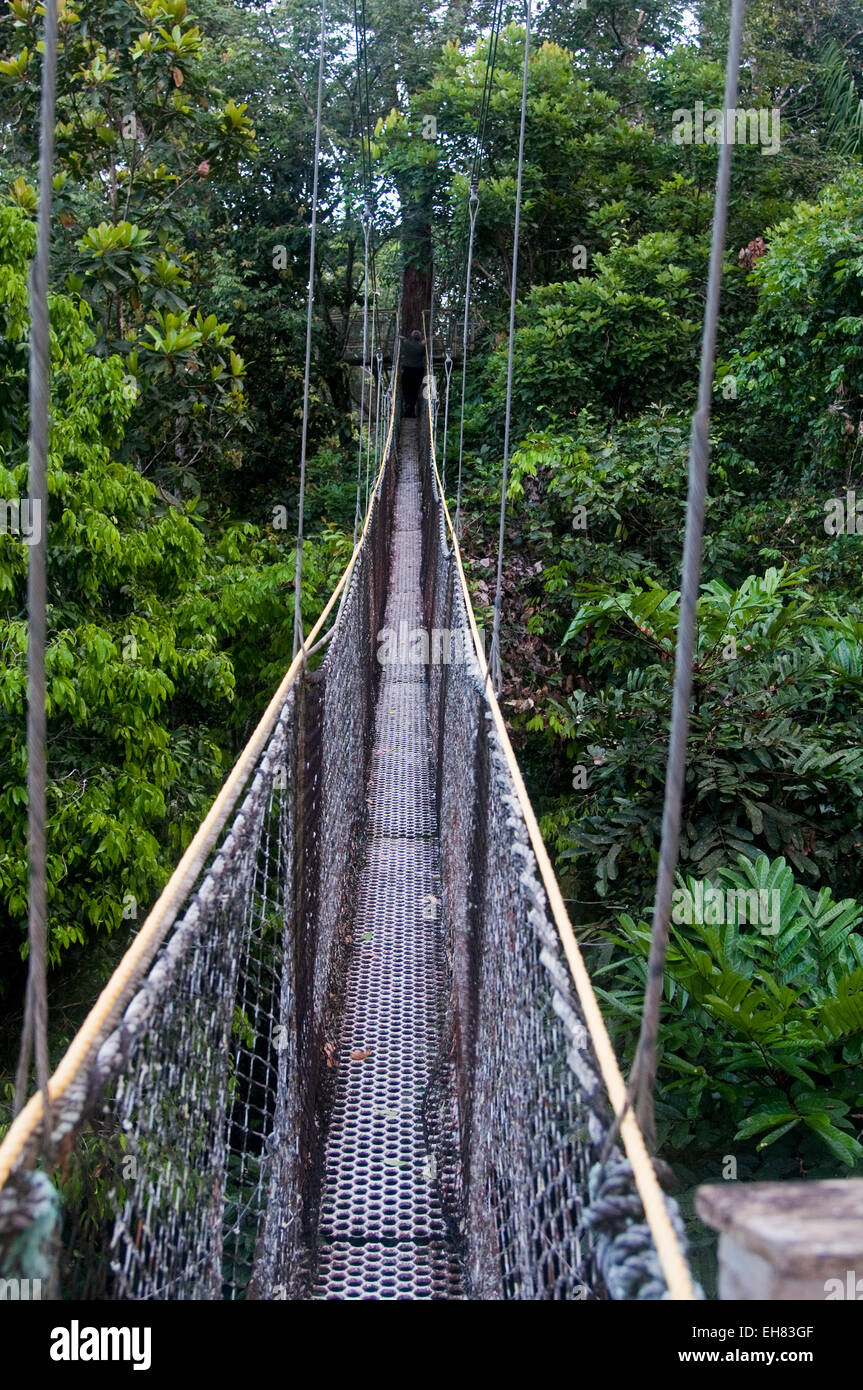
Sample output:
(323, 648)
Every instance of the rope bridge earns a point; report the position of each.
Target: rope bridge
(353, 1051)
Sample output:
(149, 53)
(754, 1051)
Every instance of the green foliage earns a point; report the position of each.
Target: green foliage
(604, 339)
(151, 626)
(180, 269)
(138, 121)
(840, 96)
(125, 643)
(762, 1030)
(600, 497)
(773, 760)
(799, 360)
(604, 384)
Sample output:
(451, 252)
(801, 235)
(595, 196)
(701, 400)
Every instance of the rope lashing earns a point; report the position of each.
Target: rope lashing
(34, 1038)
(447, 369)
(366, 226)
(30, 1224)
(473, 209)
(310, 300)
(494, 654)
(625, 1252)
(643, 1077)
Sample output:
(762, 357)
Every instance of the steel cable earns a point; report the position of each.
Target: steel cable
(35, 1030)
(310, 300)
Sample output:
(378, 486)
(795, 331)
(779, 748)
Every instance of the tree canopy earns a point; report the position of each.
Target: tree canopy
(180, 262)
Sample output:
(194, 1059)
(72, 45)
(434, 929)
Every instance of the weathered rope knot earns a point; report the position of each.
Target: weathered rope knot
(624, 1249)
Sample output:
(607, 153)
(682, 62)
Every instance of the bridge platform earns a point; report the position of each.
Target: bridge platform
(382, 1233)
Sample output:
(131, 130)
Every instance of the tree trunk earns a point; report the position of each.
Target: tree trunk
(416, 241)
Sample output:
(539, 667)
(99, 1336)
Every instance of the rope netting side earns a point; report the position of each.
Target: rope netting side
(185, 1148)
(542, 1217)
(346, 690)
(165, 1144)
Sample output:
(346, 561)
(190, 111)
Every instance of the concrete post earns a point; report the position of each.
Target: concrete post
(787, 1240)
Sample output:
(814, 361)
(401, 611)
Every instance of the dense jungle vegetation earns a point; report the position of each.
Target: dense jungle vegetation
(182, 200)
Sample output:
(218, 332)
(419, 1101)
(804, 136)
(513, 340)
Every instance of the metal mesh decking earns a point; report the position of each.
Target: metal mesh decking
(382, 1232)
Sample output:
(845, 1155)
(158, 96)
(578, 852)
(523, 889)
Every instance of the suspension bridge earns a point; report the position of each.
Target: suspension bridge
(353, 1051)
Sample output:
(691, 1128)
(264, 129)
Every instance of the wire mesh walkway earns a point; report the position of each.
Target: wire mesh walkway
(382, 1232)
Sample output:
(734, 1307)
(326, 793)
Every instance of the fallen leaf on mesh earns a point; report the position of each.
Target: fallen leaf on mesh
(361, 1054)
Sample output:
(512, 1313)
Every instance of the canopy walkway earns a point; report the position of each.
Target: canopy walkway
(354, 1051)
(346, 1057)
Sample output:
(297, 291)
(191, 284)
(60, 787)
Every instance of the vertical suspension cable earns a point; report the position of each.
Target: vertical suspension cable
(387, 382)
(433, 378)
(397, 328)
(432, 374)
(643, 1076)
(473, 206)
(34, 1037)
(447, 371)
(366, 230)
(494, 655)
(431, 319)
(376, 334)
(310, 300)
(379, 359)
(362, 60)
(371, 384)
(485, 102)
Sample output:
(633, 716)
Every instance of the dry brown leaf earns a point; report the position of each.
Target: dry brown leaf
(361, 1054)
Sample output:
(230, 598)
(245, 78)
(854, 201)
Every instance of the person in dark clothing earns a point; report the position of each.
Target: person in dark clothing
(413, 371)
